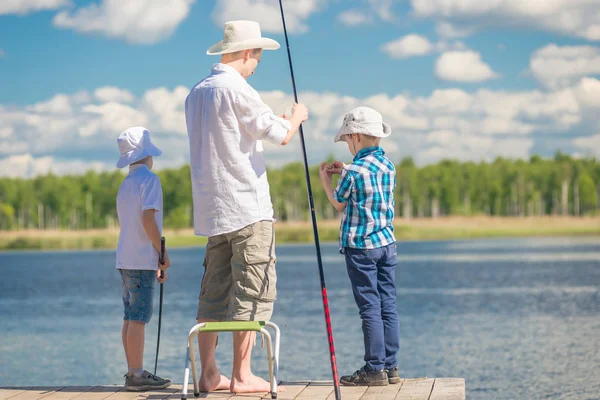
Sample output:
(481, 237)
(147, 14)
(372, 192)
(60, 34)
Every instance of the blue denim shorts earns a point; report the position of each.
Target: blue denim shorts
(138, 294)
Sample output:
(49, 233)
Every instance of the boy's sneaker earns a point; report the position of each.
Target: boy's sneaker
(393, 375)
(365, 378)
(146, 381)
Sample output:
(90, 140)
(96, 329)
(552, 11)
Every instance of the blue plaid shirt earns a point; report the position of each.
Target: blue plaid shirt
(367, 185)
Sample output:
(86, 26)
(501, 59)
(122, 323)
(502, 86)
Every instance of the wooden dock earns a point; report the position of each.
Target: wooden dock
(408, 389)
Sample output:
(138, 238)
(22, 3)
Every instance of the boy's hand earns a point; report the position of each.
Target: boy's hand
(164, 278)
(166, 262)
(325, 173)
(336, 167)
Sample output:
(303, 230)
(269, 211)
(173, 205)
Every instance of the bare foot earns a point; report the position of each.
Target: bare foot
(253, 384)
(213, 382)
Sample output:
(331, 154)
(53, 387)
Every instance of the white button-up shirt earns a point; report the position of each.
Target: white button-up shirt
(226, 123)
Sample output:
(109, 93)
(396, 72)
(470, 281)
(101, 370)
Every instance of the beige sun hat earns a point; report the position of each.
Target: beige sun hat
(241, 35)
(366, 121)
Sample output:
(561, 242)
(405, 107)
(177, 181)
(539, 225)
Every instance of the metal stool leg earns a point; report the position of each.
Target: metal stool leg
(191, 357)
(186, 374)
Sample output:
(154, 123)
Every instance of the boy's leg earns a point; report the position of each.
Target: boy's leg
(124, 339)
(125, 314)
(213, 302)
(386, 281)
(135, 345)
(140, 284)
(362, 270)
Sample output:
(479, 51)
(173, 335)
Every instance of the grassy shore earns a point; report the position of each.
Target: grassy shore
(301, 232)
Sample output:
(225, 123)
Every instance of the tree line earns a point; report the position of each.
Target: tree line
(539, 186)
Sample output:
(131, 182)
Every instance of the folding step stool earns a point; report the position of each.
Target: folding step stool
(234, 326)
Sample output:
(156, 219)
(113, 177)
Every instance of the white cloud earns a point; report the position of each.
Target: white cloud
(267, 13)
(448, 31)
(463, 66)
(59, 104)
(383, 9)
(166, 109)
(588, 93)
(111, 93)
(62, 131)
(23, 7)
(408, 46)
(2, 53)
(578, 18)
(554, 66)
(136, 21)
(374, 10)
(353, 17)
(110, 118)
(589, 144)
(27, 166)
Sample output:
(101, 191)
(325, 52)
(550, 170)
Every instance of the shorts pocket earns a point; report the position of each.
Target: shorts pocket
(259, 276)
(132, 279)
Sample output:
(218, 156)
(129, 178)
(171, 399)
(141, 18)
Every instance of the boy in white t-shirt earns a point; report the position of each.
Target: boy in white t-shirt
(140, 211)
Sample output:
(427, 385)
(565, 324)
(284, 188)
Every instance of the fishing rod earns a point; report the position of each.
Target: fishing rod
(334, 371)
(161, 260)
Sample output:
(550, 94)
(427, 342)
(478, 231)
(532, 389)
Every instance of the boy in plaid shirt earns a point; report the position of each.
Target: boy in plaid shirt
(365, 193)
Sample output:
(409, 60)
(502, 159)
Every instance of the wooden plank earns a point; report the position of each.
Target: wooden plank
(152, 395)
(7, 393)
(350, 392)
(99, 392)
(415, 389)
(317, 390)
(382, 392)
(68, 393)
(292, 390)
(448, 389)
(221, 394)
(36, 393)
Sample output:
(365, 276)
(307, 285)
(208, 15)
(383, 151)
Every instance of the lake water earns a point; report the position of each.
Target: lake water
(517, 318)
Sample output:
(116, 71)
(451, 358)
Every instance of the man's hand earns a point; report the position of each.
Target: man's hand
(166, 262)
(325, 174)
(299, 115)
(163, 279)
(336, 167)
(300, 112)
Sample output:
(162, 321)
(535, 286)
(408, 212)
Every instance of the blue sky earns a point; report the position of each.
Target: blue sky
(455, 78)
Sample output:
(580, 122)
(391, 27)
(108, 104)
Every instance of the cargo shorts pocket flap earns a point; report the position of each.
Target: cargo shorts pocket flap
(259, 277)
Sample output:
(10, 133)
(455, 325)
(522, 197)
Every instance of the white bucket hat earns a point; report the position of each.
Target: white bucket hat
(241, 35)
(363, 120)
(135, 145)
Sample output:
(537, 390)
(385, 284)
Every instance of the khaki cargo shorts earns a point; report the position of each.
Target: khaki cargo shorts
(239, 277)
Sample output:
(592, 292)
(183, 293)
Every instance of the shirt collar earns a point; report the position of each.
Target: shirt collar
(374, 150)
(135, 167)
(226, 69)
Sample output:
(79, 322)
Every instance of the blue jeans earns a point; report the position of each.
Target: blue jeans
(373, 277)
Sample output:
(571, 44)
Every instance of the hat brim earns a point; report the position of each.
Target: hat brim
(226, 48)
(344, 130)
(135, 156)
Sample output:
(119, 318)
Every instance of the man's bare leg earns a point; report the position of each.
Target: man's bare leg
(242, 379)
(210, 378)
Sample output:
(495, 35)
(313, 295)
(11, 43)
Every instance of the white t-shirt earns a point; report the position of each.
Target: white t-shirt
(141, 190)
(226, 123)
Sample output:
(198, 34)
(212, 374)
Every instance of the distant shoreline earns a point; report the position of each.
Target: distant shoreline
(301, 232)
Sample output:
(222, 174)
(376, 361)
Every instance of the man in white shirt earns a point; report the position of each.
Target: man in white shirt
(226, 123)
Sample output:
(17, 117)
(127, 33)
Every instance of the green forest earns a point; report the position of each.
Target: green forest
(539, 186)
